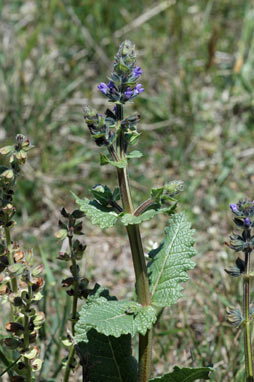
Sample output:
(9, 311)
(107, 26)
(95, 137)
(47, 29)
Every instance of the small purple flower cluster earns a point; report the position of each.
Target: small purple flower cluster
(116, 93)
(122, 86)
(244, 219)
(131, 93)
(244, 210)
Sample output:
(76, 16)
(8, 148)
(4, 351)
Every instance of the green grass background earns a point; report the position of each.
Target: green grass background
(197, 119)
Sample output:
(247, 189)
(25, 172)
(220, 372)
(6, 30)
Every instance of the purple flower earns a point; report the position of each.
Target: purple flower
(247, 222)
(138, 89)
(128, 93)
(103, 88)
(234, 208)
(111, 85)
(137, 72)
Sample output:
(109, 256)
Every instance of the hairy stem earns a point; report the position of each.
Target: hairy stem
(246, 312)
(74, 311)
(142, 285)
(14, 284)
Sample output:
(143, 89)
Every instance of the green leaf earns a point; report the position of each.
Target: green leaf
(116, 194)
(112, 357)
(121, 163)
(127, 219)
(102, 194)
(104, 217)
(103, 160)
(184, 375)
(156, 193)
(134, 154)
(113, 318)
(171, 261)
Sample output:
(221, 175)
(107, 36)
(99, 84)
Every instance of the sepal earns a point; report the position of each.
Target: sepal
(238, 270)
(234, 316)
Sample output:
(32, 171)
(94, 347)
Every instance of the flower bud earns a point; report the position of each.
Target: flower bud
(19, 256)
(38, 270)
(14, 327)
(3, 290)
(36, 364)
(67, 282)
(63, 256)
(38, 319)
(20, 139)
(247, 222)
(31, 353)
(173, 188)
(7, 175)
(234, 208)
(12, 343)
(126, 57)
(37, 284)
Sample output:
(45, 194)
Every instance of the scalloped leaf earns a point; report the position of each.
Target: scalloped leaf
(127, 219)
(113, 318)
(104, 217)
(185, 375)
(171, 261)
(107, 359)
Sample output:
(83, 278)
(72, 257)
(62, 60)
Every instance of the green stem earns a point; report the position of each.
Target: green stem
(142, 284)
(5, 362)
(69, 363)
(74, 311)
(14, 284)
(26, 339)
(138, 259)
(246, 312)
(143, 207)
(9, 365)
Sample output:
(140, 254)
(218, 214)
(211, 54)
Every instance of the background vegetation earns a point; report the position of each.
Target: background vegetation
(197, 125)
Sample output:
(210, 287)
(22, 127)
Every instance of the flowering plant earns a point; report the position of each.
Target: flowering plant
(106, 325)
(244, 219)
(21, 281)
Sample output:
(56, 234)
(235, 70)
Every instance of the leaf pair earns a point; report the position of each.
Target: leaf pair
(106, 217)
